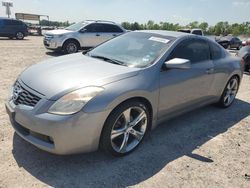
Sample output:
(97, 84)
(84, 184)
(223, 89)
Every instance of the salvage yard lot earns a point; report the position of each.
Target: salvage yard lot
(209, 147)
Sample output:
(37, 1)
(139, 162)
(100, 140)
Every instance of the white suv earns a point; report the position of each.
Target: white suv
(85, 34)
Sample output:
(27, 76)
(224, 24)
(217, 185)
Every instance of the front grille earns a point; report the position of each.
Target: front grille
(23, 96)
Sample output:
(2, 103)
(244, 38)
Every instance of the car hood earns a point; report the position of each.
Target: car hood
(58, 32)
(57, 76)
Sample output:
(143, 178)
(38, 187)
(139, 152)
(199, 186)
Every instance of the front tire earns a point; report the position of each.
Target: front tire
(70, 47)
(229, 93)
(19, 35)
(125, 128)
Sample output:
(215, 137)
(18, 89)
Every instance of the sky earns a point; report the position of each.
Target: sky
(174, 11)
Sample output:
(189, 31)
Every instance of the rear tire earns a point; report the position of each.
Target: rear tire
(125, 128)
(70, 47)
(19, 35)
(229, 93)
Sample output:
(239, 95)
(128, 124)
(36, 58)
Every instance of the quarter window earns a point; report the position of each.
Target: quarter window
(194, 50)
(108, 28)
(216, 51)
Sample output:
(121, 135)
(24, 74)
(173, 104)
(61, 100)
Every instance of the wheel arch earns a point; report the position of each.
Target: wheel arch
(144, 100)
(237, 75)
(229, 78)
(72, 39)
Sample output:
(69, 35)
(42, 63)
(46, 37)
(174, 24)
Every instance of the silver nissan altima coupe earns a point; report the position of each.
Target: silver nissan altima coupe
(113, 95)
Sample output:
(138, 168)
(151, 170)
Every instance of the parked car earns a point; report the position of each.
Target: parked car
(113, 95)
(192, 31)
(246, 42)
(244, 54)
(230, 42)
(13, 28)
(86, 34)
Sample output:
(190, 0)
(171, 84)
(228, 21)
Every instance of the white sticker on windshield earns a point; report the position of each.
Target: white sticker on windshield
(158, 39)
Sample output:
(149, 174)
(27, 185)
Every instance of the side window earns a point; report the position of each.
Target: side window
(216, 51)
(94, 28)
(237, 39)
(7, 22)
(195, 50)
(109, 28)
(13, 22)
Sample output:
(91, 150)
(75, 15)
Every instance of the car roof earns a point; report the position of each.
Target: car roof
(3, 18)
(166, 33)
(100, 21)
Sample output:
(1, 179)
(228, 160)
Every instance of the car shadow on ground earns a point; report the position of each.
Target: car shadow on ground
(55, 53)
(170, 141)
(14, 39)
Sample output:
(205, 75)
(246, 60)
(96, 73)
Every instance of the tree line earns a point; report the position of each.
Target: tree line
(55, 23)
(223, 28)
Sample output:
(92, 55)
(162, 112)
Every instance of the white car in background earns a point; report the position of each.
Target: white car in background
(85, 34)
(192, 31)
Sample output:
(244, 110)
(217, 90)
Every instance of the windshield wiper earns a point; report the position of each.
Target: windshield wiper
(86, 52)
(114, 61)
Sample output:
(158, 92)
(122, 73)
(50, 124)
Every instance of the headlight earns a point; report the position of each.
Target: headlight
(58, 36)
(73, 102)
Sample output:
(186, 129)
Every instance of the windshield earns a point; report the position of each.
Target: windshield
(134, 49)
(77, 26)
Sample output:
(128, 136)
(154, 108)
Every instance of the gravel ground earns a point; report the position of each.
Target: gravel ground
(209, 147)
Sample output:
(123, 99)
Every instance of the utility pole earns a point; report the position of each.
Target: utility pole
(7, 5)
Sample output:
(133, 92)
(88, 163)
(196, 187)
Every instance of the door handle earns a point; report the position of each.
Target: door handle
(114, 35)
(98, 35)
(210, 71)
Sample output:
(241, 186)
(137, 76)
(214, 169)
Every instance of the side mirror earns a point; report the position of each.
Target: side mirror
(83, 30)
(178, 63)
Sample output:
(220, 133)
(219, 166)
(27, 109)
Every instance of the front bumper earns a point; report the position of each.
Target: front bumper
(79, 133)
(53, 43)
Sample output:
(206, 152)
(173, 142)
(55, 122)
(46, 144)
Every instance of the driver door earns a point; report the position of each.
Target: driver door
(181, 89)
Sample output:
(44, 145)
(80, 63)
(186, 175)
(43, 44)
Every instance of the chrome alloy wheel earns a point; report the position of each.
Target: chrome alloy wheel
(129, 129)
(231, 91)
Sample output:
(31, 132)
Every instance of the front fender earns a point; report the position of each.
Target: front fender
(71, 38)
(120, 91)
